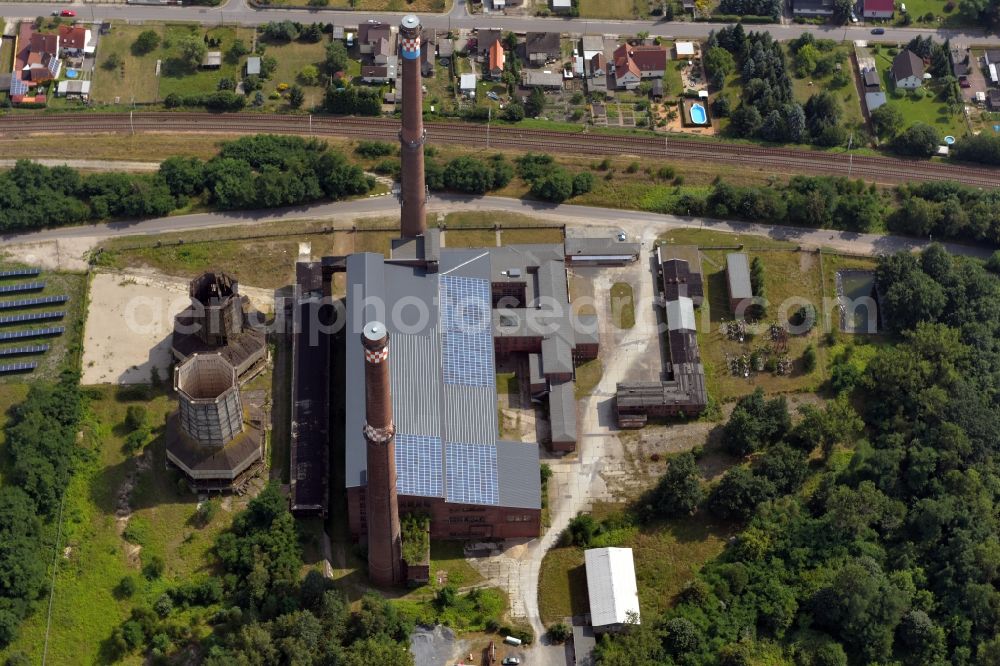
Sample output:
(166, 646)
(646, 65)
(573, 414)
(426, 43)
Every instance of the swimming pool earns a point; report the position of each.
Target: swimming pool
(698, 115)
(71, 73)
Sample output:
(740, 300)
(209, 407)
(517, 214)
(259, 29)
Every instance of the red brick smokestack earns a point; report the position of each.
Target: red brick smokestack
(385, 549)
(413, 220)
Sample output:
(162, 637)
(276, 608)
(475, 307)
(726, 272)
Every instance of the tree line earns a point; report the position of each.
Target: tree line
(260, 171)
(863, 536)
(41, 453)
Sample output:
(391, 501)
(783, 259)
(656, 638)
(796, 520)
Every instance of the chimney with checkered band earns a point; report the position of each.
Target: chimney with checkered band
(413, 191)
(385, 549)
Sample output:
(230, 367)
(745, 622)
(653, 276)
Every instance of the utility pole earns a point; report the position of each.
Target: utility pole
(489, 118)
(310, 124)
(850, 156)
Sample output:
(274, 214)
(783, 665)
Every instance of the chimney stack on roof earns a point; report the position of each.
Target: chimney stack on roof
(413, 221)
(384, 539)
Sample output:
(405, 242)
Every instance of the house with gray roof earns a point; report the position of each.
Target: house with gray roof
(907, 70)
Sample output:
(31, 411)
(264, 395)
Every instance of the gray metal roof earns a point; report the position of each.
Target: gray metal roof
(424, 404)
(535, 376)
(738, 275)
(562, 411)
(600, 247)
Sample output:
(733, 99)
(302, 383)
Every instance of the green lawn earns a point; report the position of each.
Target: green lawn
(614, 9)
(588, 376)
(176, 77)
(6, 53)
(622, 305)
(292, 57)
(135, 78)
(925, 109)
(416, 6)
(85, 608)
(918, 9)
(847, 95)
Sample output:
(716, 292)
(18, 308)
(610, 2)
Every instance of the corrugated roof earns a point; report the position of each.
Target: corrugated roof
(738, 275)
(680, 314)
(611, 586)
(517, 470)
(600, 246)
(562, 411)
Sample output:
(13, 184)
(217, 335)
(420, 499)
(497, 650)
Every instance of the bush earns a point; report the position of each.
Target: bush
(126, 587)
(136, 417)
(583, 182)
(809, 359)
(145, 43)
(153, 568)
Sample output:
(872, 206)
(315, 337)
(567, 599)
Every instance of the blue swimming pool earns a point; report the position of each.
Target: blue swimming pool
(71, 73)
(698, 115)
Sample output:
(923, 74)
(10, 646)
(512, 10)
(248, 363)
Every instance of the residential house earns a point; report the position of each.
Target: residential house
(542, 79)
(960, 64)
(632, 64)
(992, 56)
(446, 48)
(562, 6)
(878, 9)
(812, 7)
(596, 68)
(907, 70)
(993, 100)
(485, 39)
(212, 60)
(495, 61)
(428, 47)
(39, 60)
(374, 39)
(380, 73)
(74, 41)
(253, 66)
(688, 5)
(542, 47)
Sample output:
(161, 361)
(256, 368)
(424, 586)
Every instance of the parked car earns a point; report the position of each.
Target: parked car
(511, 661)
(492, 95)
(878, 31)
(67, 12)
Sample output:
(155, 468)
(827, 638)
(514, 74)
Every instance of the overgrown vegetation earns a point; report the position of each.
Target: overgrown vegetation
(416, 538)
(887, 554)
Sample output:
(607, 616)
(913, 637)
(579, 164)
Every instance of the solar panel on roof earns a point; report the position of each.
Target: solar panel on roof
(32, 302)
(19, 272)
(20, 351)
(418, 464)
(472, 473)
(32, 333)
(32, 316)
(24, 286)
(466, 338)
(18, 367)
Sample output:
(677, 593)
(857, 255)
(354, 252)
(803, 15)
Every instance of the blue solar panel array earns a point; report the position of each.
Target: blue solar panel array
(418, 464)
(21, 351)
(472, 473)
(32, 333)
(32, 302)
(466, 338)
(30, 317)
(18, 367)
(24, 286)
(19, 273)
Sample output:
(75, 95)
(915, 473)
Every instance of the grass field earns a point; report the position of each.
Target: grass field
(622, 305)
(925, 109)
(292, 57)
(850, 103)
(177, 78)
(791, 279)
(85, 608)
(62, 348)
(614, 9)
(917, 10)
(6, 54)
(418, 6)
(667, 556)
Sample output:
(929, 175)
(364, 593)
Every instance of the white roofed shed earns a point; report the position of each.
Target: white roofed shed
(611, 586)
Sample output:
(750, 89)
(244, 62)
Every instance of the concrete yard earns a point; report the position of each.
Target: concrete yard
(129, 323)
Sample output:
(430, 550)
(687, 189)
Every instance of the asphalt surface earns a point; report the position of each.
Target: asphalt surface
(633, 222)
(239, 11)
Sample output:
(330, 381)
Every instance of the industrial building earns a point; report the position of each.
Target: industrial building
(218, 320)
(611, 588)
(682, 392)
(209, 438)
(738, 281)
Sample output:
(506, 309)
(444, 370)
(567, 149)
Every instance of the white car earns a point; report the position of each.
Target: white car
(511, 661)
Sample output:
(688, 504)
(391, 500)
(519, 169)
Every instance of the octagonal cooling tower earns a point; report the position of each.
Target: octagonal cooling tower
(210, 408)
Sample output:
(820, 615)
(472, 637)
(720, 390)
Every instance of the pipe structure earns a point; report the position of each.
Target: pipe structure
(413, 191)
(385, 546)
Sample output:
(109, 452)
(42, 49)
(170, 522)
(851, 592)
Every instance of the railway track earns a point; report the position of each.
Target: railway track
(885, 170)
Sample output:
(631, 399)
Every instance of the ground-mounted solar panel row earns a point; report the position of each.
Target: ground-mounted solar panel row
(32, 333)
(32, 302)
(24, 286)
(24, 351)
(18, 367)
(30, 317)
(19, 273)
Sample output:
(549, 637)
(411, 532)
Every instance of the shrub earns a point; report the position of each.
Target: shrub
(136, 417)
(809, 359)
(146, 42)
(154, 567)
(559, 632)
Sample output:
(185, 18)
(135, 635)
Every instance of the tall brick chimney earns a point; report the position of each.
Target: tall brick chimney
(385, 550)
(413, 220)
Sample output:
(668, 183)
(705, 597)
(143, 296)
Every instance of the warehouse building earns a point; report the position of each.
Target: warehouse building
(738, 280)
(611, 588)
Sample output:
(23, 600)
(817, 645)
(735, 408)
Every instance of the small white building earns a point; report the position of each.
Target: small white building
(684, 50)
(467, 85)
(611, 586)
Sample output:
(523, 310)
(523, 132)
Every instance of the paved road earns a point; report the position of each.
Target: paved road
(634, 222)
(90, 165)
(238, 11)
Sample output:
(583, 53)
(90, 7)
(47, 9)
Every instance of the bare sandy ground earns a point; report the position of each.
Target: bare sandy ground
(130, 321)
